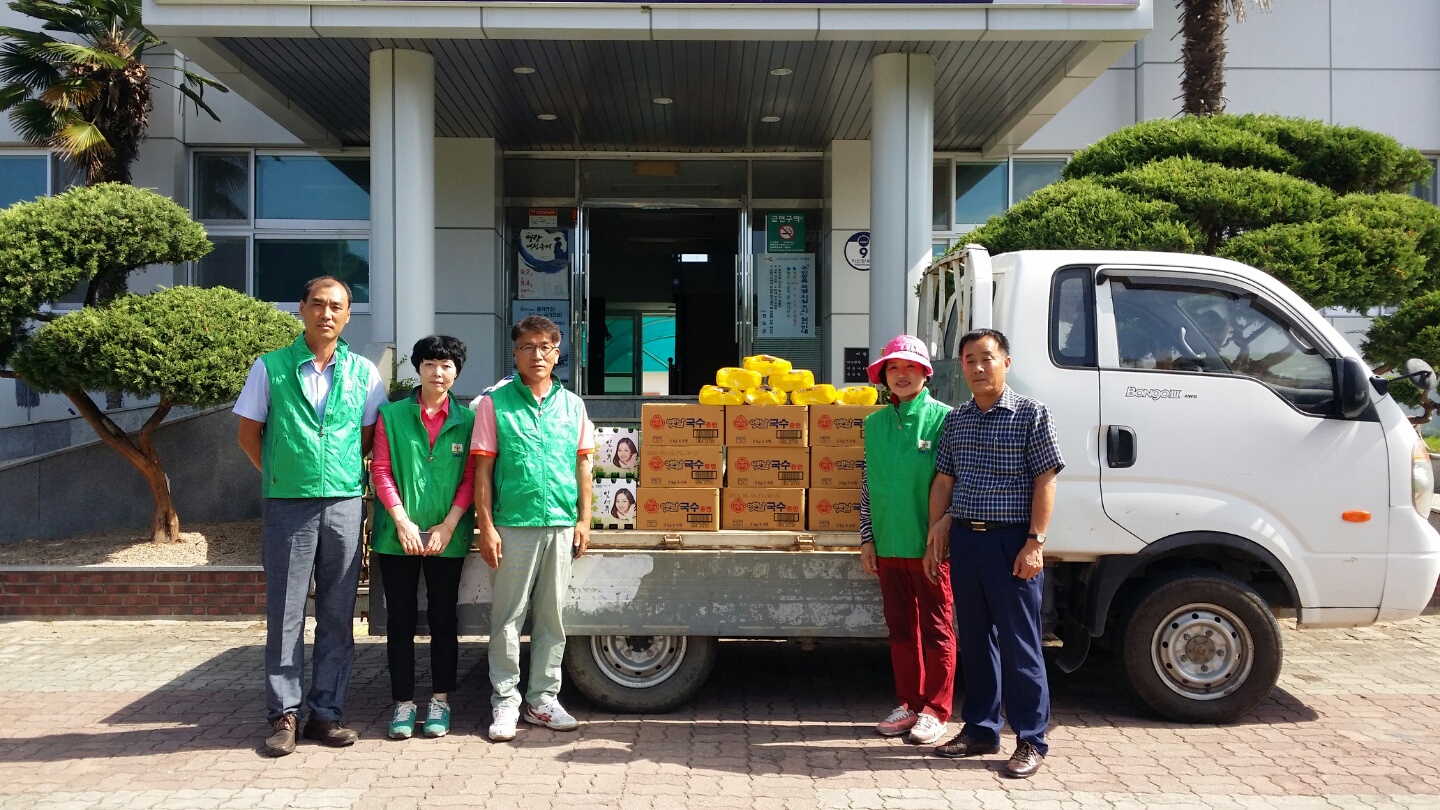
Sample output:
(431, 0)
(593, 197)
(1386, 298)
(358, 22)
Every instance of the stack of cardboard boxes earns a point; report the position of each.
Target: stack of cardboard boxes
(751, 467)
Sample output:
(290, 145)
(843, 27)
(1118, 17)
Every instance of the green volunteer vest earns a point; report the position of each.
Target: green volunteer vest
(301, 457)
(535, 482)
(426, 477)
(900, 446)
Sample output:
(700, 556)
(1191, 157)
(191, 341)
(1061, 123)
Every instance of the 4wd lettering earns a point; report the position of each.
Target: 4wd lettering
(1153, 393)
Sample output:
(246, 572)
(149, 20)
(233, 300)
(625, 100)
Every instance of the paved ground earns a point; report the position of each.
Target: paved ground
(167, 715)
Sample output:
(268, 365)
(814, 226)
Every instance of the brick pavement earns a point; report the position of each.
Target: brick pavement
(167, 715)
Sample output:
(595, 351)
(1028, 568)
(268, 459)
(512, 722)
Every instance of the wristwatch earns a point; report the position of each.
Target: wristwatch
(1038, 538)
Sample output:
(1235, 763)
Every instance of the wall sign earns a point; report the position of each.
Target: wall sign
(544, 268)
(557, 311)
(784, 233)
(785, 287)
(857, 250)
(544, 218)
(857, 364)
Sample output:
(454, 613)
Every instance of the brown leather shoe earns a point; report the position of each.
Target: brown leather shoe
(1024, 762)
(282, 740)
(963, 746)
(331, 734)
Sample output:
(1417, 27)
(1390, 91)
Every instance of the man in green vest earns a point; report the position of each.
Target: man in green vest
(900, 445)
(533, 443)
(307, 415)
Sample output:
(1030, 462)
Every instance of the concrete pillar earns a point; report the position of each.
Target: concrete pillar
(902, 133)
(402, 197)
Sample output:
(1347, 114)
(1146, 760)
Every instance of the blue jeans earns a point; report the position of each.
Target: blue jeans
(301, 536)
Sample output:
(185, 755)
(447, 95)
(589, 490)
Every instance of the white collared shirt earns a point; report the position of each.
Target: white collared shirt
(254, 400)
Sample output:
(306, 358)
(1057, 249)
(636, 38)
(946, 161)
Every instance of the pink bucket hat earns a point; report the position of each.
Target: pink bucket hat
(903, 347)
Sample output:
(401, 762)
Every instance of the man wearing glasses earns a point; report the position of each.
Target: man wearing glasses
(533, 442)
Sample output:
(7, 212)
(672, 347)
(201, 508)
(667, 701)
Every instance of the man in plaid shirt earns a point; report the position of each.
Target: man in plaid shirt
(990, 505)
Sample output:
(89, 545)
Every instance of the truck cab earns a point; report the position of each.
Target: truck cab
(1227, 454)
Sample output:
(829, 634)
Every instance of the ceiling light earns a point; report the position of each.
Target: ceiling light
(522, 70)
(546, 116)
(771, 119)
(664, 100)
(781, 72)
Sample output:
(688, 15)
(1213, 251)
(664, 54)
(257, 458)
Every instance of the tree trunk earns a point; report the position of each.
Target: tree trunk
(1202, 30)
(165, 524)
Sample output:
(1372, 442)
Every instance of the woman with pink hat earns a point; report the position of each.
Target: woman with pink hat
(900, 444)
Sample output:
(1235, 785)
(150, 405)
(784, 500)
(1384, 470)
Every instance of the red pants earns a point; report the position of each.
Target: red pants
(920, 615)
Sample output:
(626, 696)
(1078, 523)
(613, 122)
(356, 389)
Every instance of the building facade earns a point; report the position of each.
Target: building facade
(678, 184)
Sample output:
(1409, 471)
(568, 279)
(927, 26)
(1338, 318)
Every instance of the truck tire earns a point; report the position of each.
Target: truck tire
(639, 674)
(1201, 647)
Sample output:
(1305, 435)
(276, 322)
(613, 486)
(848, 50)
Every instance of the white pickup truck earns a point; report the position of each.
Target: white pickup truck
(1227, 454)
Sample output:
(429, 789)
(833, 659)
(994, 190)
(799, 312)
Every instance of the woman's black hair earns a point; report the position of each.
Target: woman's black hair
(438, 347)
(634, 451)
(615, 502)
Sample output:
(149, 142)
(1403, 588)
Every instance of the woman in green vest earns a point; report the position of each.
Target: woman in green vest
(424, 478)
(900, 444)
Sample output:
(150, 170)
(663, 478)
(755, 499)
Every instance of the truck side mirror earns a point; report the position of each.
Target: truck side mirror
(1353, 386)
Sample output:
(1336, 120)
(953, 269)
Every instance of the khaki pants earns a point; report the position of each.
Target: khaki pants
(533, 578)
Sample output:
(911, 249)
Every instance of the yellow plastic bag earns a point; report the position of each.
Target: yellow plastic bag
(766, 365)
(822, 394)
(715, 395)
(857, 395)
(732, 377)
(764, 395)
(793, 380)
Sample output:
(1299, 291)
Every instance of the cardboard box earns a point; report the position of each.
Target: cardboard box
(766, 425)
(617, 451)
(839, 425)
(674, 509)
(612, 504)
(762, 508)
(836, 467)
(834, 510)
(767, 467)
(681, 466)
(677, 424)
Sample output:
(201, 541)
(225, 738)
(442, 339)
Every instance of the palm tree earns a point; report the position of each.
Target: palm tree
(1202, 28)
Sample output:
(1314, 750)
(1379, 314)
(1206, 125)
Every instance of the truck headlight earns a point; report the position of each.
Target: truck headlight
(1422, 479)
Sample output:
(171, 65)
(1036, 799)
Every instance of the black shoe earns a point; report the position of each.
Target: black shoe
(963, 746)
(331, 734)
(282, 740)
(1024, 762)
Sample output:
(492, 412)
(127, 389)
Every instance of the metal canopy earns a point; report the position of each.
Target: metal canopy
(602, 92)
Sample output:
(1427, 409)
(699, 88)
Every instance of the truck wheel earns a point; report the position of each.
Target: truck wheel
(639, 674)
(1201, 647)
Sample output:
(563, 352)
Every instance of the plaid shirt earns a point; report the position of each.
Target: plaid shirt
(995, 455)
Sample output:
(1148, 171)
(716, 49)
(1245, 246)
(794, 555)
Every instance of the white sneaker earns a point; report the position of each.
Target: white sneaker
(927, 729)
(551, 715)
(503, 727)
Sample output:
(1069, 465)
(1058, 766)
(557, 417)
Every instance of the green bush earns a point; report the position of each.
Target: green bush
(189, 346)
(1207, 139)
(51, 245)
(1413, 331)
(1083, 214)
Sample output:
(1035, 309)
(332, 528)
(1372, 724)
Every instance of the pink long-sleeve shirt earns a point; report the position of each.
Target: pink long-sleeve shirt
(383, 474)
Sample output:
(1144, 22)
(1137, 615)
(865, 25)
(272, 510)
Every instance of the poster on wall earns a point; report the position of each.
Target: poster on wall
(557, 311)
(544, 268)
(785, 286)
(785, 233)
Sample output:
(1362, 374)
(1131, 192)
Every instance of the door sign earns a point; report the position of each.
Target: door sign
(544, 263)
(784, 233)
(857, 250)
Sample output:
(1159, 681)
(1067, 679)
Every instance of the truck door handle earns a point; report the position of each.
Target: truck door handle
(1120, 446)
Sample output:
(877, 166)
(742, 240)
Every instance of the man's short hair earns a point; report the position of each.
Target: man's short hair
(536, 324)
(977, 334)
(438, 347)
(326, 281)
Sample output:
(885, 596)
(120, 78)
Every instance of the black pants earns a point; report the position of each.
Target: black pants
(401, 575)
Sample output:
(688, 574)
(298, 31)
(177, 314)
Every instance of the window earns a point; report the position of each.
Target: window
(23, 177)
(278, 219)
(1425, 189)
(980, 192)
(1029, 176)
(1175, 327)
(940, 196)
(1072, 318)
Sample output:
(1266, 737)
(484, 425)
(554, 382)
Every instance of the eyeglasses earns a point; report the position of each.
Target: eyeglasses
(540, 350)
